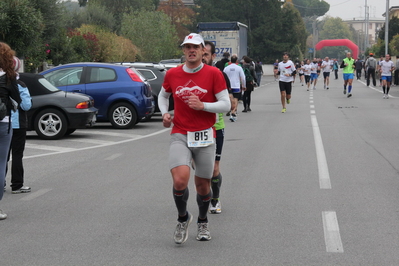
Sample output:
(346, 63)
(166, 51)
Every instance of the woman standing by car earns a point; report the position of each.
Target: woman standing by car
(10, 99)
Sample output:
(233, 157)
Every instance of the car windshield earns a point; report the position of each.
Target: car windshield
(48, 85)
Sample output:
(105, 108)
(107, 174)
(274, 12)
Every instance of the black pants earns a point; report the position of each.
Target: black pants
(247, 98)
(17, 150)
(336, 73)
(358, 73)
(396, 77)
(371, 72)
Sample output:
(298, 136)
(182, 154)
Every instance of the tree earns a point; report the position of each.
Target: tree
(21, 26)
(120, 7)
(111, 47)
(93, 14)
(181, 16)
(152, 33)
(392, 31)
(309, 8)
(394, 45)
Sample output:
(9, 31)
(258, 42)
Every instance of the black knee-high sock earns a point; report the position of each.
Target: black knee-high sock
(216, 183)
(388, 89)
(181, 197)
(203, 205)
(383, 89)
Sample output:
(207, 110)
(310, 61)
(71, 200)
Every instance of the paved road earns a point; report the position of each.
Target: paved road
(317, 185)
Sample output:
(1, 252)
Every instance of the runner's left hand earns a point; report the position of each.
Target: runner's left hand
(195, 103)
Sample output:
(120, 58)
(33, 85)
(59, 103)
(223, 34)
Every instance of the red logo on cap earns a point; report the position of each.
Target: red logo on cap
(190, 37)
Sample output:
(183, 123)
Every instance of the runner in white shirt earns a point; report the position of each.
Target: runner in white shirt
(307, 70)
(326, 66)
(313, 73)
(385, 68)
(287, 70)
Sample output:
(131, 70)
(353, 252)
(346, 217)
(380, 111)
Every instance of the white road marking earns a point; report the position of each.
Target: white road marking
(113, 157)
(33, 195)
(65, 150)
(48, 148)
(312, 112)
(379, 89)
(332, 235)
(92, 141)
(324, 175)
(112, 134)
(312, 106)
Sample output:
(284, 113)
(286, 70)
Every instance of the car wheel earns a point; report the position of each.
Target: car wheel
(51, 124)
(122, 115)
(70, 131)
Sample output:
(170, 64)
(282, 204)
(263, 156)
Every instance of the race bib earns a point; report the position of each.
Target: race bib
(201, 138)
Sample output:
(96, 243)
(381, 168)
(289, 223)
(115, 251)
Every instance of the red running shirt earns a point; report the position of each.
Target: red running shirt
(205, 83)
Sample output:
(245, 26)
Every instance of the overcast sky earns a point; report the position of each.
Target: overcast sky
(348, 9)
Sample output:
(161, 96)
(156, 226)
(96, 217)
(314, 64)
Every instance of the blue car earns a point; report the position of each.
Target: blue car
(121, 94)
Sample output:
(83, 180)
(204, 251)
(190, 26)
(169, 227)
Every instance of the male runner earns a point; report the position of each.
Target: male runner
(199, 93)
(314, 66)
(348, 65)
(326, 66)
(307, 71)
(237, 81)
(385, 68)
(216, 181)
(287, 70)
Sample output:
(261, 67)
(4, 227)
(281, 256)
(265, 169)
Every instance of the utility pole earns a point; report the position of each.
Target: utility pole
(366, 24)
(386, 27)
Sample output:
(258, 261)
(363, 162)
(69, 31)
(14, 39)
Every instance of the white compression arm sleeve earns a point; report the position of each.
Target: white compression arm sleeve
(163, 101)
(222, 105)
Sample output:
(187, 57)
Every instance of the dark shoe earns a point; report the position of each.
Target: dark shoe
(228, 114)
(244, 111)
(249, 109)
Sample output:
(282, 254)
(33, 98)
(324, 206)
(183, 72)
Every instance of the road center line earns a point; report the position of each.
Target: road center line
(324, 175)
(332, 235)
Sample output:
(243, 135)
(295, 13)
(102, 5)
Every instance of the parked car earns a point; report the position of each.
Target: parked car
(56, 113)
(170, 63)
(154, 73)
(121, 94)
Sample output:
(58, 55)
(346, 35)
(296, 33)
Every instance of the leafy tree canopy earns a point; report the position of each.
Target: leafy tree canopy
(152, 32)
(309, 8)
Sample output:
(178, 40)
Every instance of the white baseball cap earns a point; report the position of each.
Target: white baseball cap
(193, 38)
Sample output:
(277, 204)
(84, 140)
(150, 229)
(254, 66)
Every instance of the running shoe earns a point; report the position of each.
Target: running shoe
(344, 91)
(349, 95)
(383, 97)
(387, 96)
(228, 113)
(249, 109)
(215, 209)
(314, 87)
(2, 215)
(288, 101)
(181, 232)
(284, 109)
(23, 189)
(203, 232)
(327, 88)
(232, 118)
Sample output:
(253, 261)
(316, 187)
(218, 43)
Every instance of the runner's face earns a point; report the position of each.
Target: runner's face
(207, 57)
(193, 53)
(387, 57)
(285, 58)
(348, 55)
